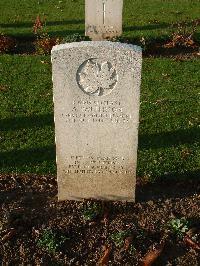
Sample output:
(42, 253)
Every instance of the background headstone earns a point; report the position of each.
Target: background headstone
(103, 19)
(96, 107)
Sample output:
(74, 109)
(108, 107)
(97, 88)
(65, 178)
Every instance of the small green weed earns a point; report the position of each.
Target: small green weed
(178, 226)
(50, 241)
(91, 211)
(140, 234)
(118, 237)
(132, 250)
(76, 37)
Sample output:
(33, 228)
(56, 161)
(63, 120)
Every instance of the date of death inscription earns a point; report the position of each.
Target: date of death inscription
(96, 165)
(96, 112)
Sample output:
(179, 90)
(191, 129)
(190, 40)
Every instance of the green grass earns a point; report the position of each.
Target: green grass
(169, 125)
(26, 115)
(147, 18)
(169, 118)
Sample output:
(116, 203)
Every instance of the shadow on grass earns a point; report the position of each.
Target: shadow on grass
(28, 157)
(48, 23)
(162, 25)
(146, 27)
(30, 36)
(174, 185)
(65, 33)
(35, 155)
(146, 141)
(167, 139)
(35, 121)
(57, 33)
(31, 156)
(197, 36)
(81, 21)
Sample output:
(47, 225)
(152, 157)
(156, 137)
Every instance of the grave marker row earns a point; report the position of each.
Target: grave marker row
(103, 19)
(96, 108)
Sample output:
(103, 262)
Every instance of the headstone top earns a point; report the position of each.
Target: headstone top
(106, 44)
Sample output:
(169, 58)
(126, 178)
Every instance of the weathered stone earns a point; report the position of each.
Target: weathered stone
(96, 104)
(103, 19)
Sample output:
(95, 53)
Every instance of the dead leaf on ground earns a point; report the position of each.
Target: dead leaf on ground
(44, 62)
(185, 153)
(192, 231)
(92, 223)
(160, 101)
(181, 40)
(152, 255)
(3, 88)
(105, 214)
(105, 259)
(38, 25)
(8, 236)
(189, 242)
(127, 242)
(155, 21)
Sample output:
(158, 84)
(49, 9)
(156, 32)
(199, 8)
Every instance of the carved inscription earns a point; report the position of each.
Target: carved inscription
(93, 165)
(105, 30)
(97, 112)
(96, 78)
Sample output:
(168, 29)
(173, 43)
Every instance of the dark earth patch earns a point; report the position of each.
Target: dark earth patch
(180, 48)
(35, 229)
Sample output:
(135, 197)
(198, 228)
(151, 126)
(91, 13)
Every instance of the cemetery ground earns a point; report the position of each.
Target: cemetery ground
(159, 27)
(147, 19)
(164, 223)
(168, 164)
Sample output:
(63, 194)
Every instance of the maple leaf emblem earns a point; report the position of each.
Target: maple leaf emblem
(95, 78)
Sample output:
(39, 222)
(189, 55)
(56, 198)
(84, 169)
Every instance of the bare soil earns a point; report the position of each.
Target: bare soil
(29, 206)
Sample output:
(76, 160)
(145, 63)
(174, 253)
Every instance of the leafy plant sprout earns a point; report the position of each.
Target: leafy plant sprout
(178, 226)
(76, 37)
(50, 241)
(92, 211)
(118, 237)
(132, 250)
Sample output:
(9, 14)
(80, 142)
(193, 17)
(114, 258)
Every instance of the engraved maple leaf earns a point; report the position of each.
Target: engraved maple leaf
(95, 78)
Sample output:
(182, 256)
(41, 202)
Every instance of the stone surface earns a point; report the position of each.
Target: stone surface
(96, 107)
(103, 19)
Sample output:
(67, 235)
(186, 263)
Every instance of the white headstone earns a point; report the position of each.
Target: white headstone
(96, 107)
(103, 19)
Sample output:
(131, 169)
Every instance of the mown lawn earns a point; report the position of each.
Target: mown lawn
(148, 18)
(169, 119)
